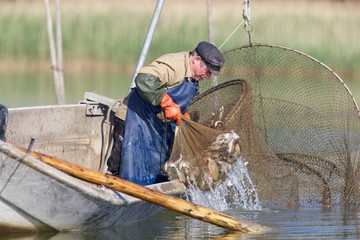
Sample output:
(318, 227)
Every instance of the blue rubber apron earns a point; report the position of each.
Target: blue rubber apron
(147, 139)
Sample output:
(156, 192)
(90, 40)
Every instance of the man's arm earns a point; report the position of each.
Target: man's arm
(149, 88)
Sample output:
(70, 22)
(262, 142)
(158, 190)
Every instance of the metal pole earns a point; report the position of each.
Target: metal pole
(149, 35)
(59, 65)
(59, 85)
(210, 22)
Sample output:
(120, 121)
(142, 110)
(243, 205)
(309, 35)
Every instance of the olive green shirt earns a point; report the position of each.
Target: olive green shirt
(165, 72)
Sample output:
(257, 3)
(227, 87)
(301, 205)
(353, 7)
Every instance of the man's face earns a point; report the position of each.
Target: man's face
(200, 70)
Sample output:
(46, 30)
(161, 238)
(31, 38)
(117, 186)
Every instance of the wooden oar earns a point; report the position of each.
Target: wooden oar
(149, 195)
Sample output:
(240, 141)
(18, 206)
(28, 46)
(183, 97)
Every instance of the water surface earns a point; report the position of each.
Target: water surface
(36, 89)
(311, 223)
(25, 89)
(306, 222)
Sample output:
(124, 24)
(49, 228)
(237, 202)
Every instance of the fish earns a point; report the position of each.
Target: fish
(211, 168)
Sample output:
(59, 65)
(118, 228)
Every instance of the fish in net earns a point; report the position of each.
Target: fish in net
(203, 151)
(298, 126)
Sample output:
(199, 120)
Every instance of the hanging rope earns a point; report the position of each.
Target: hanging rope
(246, 20)
(231, 35)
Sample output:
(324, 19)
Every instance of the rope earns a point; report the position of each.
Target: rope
(231, 35)
(246, 20)
(108, 138)
(20, 162)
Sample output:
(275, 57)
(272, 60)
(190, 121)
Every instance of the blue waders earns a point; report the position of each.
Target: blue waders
(147, 139)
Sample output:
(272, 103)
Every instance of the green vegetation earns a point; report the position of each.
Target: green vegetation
(332, 41)
(100, 37)
(118, 36)
(108, 41)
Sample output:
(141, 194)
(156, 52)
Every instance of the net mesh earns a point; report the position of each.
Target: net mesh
(204, 152)
(297, 122)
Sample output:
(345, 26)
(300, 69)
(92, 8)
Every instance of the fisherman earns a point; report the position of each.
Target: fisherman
(3, 121)
(164, 90)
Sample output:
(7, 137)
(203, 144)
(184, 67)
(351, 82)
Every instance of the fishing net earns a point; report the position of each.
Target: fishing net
(203, 153)
(297, 122)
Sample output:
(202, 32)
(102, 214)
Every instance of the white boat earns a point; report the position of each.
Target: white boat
(37, 197)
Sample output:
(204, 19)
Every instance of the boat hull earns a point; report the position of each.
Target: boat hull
(37, 197)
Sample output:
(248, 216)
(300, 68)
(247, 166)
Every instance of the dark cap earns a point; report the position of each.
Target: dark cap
(211, 56)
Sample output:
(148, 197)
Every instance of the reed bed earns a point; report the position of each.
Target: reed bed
(107, 36)
(110, 33)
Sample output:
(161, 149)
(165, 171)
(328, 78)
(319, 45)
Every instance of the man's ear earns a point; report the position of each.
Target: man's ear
(197, 59)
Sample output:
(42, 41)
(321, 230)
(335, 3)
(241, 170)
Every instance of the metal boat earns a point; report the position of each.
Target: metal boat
(37, 197)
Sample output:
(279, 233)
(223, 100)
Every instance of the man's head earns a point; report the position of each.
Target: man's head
(210, 60)
(211, 56)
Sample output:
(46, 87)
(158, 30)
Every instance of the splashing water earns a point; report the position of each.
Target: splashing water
(237, 190)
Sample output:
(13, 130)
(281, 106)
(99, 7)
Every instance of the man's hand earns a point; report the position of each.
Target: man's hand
(171, 109)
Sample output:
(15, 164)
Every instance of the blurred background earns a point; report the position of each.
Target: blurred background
(102, 40)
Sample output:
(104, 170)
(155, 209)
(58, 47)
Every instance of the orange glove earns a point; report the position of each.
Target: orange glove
(187, 115)
(171, 109)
